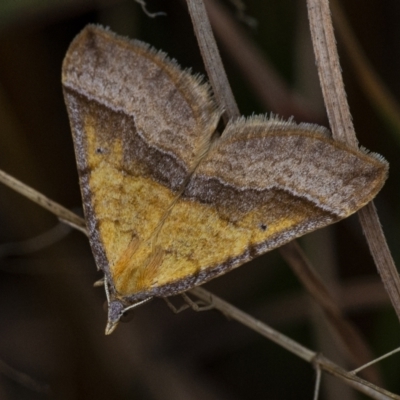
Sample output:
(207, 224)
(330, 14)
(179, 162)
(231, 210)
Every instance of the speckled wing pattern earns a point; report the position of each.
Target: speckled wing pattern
(169, 204)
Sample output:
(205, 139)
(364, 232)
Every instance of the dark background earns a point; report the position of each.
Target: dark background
(52, 319)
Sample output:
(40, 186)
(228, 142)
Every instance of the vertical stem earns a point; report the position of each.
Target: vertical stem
(329, 71)
(327, 60)
(212, 59)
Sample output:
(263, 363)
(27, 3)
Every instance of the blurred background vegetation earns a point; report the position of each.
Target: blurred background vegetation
(52, 319)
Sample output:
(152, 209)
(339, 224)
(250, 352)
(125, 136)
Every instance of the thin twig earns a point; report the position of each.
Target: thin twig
(329, 71)
(254, 324)
(380, 252)
(212, 60)
(357, 370)
(61, 212)
(351, 338)
(303, 352)
(317, 383)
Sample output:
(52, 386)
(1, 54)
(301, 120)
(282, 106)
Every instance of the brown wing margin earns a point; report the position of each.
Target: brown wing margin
(260, 154)
(173, 110)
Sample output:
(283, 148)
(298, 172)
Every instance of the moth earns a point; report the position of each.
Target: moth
(170, 203)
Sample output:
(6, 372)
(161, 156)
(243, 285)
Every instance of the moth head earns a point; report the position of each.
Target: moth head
(116, 311)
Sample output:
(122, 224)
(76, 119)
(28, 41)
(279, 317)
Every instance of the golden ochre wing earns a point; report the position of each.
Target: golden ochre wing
(139, 124)
(262, 184)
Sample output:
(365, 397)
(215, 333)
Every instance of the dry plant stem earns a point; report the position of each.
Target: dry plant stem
(254, 324)
(212, 60)
(264, 81)
(329, 71)
(380, 251)
(317, 383)
(306, 354)
(353, 341)
(371, 83)
(351, 338)
(342, 129)
(61, 212)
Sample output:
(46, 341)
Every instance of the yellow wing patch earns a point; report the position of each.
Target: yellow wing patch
(195, 239)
